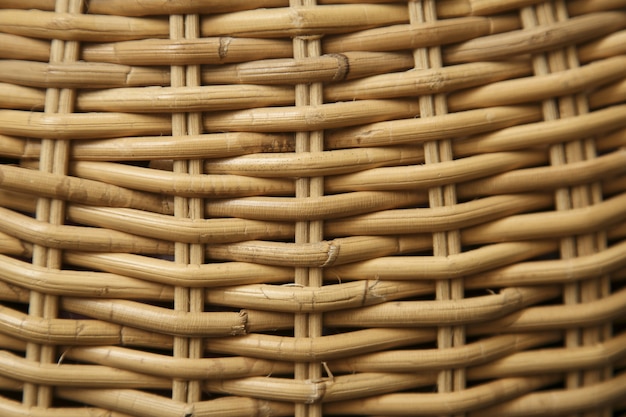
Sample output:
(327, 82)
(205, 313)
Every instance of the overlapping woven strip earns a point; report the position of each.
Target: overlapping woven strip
(312, 208)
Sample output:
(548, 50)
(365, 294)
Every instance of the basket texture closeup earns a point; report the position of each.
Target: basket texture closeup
(312, 208)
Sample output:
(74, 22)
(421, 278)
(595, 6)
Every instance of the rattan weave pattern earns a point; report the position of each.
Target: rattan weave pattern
(312, 208)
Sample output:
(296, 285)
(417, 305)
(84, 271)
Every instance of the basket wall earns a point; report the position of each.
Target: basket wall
(301, 208)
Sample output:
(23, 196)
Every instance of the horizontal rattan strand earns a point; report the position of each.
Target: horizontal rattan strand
(497, 356)
(451, 8)
(538, 39)
(550, 177)
(303, 20)
(234, 97)
(358, 248)
(317, 255)
(578, 7)
(336, 346)
(445, 8)
(453, 266)
(187, 51)
(608, 142)
(311, 208)
(9, 384)
(20, 98)
(412, 36)
(551, 132)
(475, 310)
(325, 68)
(170, 183)
(77, 238)
(108, 240)
(544, 225)
(216, 145)
(279, 389)
(610, 45)
(81, 125)
(475, 355)
(17, 279)
(143, 404)
(426, 404)
(59, 374)
(310, 254)
(88, 75)
(290, 164)
(223, 145)
(210, 275)
(591, 219)
(558, 317)
(157, 319)
(79, 283)
(179, 99)
(524, 226)
(416, 177)
(554, 359)
(156, 7)
(178, 229)
(612, 94)
(75, 332)
(532, 179)
(282, 119)
(18, 409)
(419, 130)
(536, 88)
(554, 271)
(13, 294)
(427, 81)
(309, 118)
(11, 343)
(169, 273)
(287, 298)
(562, 402)
(79, 190)
(515, 137)
(520, 180)
(481, 352)
(344, 387)
(501, 272)
(10, 245)
(134, 402)
(80, 27)
(170, 367)
(294, 299)
(613, 187)
(21, 47)
(439, 219)
(504, 356)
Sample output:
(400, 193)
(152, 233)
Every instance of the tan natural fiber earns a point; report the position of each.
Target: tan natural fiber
(312, 208)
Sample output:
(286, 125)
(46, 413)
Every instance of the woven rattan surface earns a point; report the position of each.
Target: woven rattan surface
(312, 208)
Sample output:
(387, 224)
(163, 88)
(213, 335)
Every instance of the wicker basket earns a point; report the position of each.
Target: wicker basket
(301, 208)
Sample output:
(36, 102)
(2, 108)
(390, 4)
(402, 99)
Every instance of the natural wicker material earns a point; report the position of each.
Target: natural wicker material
(312, 208)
